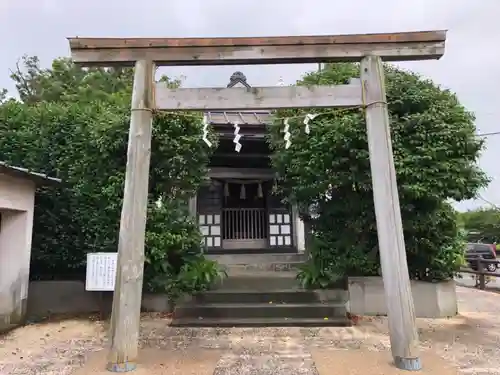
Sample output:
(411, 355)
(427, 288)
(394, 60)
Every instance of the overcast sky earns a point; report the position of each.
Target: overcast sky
(40, 27)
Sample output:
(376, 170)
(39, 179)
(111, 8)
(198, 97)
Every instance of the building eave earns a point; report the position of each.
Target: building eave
(26, 174)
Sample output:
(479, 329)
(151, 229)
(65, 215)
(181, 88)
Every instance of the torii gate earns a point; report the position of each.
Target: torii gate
(369, 93)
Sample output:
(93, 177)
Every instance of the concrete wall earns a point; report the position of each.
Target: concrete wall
(70, 297)
(17, 197)
(299, 230)
(301, 238)
(64, 297)
(432, 300)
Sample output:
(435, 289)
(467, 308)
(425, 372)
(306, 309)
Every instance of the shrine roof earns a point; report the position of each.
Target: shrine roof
(240, 117)
(257, 117)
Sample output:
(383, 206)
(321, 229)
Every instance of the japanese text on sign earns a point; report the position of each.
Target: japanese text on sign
(101, 271)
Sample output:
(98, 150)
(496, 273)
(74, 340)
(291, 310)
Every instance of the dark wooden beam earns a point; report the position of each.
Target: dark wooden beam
(246, 137)
(228, 172)
(240, 155)
(258, 50)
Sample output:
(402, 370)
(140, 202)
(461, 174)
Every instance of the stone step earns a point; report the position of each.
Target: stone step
(275, 296)
(229, 259)
(273, 266)
(261, 310)
(260, 262)
(240, 279)
(261, 322)
(242, 272)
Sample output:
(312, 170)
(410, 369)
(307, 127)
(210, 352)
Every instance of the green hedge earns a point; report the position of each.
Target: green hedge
(85, 145)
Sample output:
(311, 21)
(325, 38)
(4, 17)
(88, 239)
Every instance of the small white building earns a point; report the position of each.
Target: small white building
(17, 203)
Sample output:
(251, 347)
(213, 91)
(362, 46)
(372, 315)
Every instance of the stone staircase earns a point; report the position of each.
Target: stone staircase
(261, 291)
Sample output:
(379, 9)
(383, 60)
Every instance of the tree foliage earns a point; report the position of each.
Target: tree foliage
(67, 82)
(481, 225)
(435, 154)
(73, 123)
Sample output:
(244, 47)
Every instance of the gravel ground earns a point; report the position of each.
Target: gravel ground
(470, 341)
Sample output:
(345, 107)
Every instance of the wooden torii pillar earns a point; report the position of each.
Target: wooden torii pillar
(369, 49)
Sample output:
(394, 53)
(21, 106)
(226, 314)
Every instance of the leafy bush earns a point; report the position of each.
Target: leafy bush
(435, 154)
(320, 272)
(174, 263)
(199, 274)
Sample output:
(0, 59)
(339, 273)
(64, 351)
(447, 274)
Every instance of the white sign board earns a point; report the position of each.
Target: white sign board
(101, 272)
